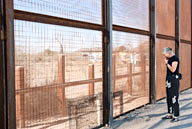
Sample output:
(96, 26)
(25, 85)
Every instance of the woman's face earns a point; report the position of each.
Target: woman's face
(167, 55)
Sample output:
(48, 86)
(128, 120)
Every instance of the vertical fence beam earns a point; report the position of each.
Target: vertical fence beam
(177, 26)
(129, 69)
(20, 98)
(152, 51)
(191, 43)
(10, 64)
(107, 63)
(2, 68)
(91, 77)
(62, 104)
(114, 72)
(143, 67)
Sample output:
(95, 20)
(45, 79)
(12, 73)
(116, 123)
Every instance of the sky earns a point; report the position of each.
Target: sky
(36, 37)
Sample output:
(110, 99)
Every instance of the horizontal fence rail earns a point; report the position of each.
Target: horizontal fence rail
(28, 16)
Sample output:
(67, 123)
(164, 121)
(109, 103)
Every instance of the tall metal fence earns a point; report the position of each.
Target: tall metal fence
(61, 53)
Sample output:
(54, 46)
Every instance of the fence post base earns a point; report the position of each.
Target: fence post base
(62, 104)
(20, 98)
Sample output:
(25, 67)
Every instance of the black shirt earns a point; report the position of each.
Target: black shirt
(170, 61)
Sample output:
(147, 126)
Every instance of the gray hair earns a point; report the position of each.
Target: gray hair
(167, 50)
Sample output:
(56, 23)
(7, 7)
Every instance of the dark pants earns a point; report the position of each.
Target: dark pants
(172, 90)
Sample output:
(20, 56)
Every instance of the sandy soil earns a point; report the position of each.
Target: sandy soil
(41, 107)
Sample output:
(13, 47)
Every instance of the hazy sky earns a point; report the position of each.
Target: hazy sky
(36, 37)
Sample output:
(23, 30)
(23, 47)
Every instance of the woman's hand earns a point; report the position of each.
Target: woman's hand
(166, 61)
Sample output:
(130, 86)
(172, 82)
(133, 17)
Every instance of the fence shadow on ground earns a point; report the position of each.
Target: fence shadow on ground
(129, 117)
(182, 118)
(183, 126)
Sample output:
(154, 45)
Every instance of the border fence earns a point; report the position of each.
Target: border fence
(78, 64)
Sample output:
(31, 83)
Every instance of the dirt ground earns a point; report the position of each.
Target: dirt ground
(40, 107)
(149, 116)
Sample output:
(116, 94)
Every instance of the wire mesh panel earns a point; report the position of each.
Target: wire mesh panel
(165, 17)
(161, 67)
(185, 18)
(185, 65)
(83, 10)
(58, 76)
(131, 13)
(130, 71)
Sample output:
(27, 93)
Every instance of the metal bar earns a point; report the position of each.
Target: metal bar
(128, 75)
(103, 12)
(61, 90)
(114, 72)
(34, 17)
(130, 30)
(71, 84)
(161, 36)
(10, 65)
(130, 78)
(191, 43)
(143, 72)
(185, 41)
(67, 84)
(152, 51)
(177, 29)
(107, 64)
(20, 99)
(3, 118)
(91, 76)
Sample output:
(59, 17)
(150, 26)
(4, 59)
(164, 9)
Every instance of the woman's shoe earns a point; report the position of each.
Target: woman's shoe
(167, 117)
(175, 119)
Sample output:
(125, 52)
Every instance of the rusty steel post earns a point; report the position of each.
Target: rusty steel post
(20, 98)
(107, 63)
(129, 69)
(177, 27)
(10, 64)
(143, 71)
(3, 97)
(114, 73)
(191, 42)
(62, 105)
(61, 70)
(152, 51)
(91, 77)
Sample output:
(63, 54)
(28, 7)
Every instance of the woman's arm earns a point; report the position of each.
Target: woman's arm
(173, 67)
